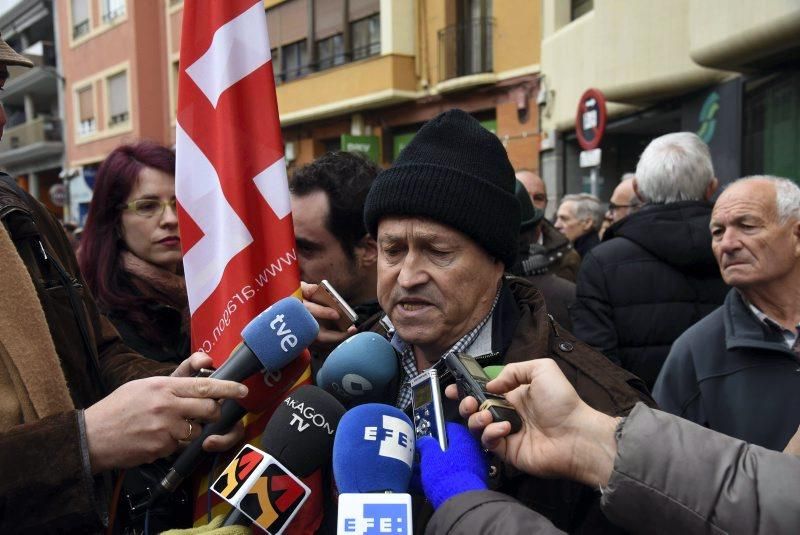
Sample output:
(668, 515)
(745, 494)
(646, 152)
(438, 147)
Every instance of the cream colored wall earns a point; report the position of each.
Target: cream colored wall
(728, 34)
(398, 27)
(635, 52)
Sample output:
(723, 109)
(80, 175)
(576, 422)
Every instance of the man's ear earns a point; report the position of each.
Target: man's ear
(636, 189)
(711, 189)
(367, 251)
(796, 236)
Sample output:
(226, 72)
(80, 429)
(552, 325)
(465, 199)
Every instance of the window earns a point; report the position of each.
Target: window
(366, 35)
(175, 75)
(295, 60)
(86, 116)
(113, 9)
(330, 52)
(80, 18)
(117, 86)
(578, 8)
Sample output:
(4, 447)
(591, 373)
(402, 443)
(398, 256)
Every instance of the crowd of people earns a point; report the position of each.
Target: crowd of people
(665, 288)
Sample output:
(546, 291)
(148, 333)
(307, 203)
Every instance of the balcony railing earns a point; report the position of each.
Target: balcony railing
(466, 48)
(36, 131)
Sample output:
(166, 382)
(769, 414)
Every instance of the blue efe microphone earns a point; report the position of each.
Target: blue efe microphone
(270, 341)
(359, 369)
(373, 450)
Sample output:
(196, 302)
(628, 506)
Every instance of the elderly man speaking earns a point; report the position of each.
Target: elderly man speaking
(736, 371)
(446, 221)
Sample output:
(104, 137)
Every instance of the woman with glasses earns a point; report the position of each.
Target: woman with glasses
(130, 256)
(130, 251)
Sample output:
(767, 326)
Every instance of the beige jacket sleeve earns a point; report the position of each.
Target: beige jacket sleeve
(673, 476)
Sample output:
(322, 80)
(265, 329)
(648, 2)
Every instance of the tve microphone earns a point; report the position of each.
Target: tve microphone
(359, 370)
(299, 436)
(372, 456)
(271, 341)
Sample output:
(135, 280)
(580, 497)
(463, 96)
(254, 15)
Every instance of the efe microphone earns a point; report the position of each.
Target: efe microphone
(373, 454)
(270, 342)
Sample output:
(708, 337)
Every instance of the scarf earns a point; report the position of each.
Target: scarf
(157, 284)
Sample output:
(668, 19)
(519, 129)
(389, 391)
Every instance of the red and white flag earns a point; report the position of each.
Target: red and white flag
(234, 210)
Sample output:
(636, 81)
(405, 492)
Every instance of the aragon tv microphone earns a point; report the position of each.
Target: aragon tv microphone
(359, 370)
(271, 341)
(372, 457)
(299, 436)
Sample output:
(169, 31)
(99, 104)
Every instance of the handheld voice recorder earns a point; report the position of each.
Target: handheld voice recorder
(426, 400)
(471, 381)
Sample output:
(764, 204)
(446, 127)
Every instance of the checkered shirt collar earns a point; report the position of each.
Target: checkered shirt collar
(408, 362)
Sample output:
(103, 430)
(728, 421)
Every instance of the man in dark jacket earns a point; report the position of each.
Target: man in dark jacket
(75, 402)
(446, 222)
(654, 274)
(534, 264)
(736, 371)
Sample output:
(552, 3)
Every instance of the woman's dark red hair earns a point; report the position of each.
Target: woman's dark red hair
(101, 242)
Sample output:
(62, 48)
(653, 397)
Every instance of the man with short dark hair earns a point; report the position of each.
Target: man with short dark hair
(654, 275)
(327, 198)
(446, 222)
(327, 210)
(736, 370)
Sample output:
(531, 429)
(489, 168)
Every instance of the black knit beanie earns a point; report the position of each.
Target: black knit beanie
(455, 172)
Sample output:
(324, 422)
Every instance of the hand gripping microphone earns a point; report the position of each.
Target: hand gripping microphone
(299, 436)
(359, 370)
(372, 457)
(271, 341)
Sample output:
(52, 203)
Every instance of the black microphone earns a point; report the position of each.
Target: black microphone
(300, 436)
(271, 341)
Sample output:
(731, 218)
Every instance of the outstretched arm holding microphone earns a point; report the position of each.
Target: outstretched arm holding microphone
(658, 473)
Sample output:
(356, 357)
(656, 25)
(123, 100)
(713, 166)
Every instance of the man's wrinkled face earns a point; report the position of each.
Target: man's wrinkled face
(320, 255)
(434, 282)
(568, 224)
(750, 244)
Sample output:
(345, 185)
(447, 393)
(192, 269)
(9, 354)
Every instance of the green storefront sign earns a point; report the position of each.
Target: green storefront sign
(369, 145)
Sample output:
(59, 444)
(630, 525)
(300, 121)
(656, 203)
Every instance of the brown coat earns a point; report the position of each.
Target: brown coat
(46, 484)
(522, 330)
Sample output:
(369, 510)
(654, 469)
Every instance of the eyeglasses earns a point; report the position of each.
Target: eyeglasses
(149, 207)
(613, 207)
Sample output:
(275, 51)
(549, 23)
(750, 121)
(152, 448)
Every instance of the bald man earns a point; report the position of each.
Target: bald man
(736, 371)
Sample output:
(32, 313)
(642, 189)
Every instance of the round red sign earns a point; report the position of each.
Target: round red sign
(590, 122)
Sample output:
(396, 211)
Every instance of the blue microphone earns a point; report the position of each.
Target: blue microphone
(373, 452)
(359, 370)
(270, 341)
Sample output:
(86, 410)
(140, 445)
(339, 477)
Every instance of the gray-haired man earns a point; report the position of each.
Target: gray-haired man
(736, 371)
(654, 274)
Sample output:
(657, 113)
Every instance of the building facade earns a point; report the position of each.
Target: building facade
(32, 148)
(117, 83)
(729, 71)
(366, 74)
